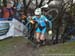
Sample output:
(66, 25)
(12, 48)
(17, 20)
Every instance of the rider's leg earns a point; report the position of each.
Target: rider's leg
(42, 36)
(37, 36)
(42, 39)
(37, 39)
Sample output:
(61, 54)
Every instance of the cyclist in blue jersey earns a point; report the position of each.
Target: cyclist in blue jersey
(41, 28)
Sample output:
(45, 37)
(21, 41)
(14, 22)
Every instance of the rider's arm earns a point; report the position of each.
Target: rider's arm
(32, 20)
(50, 23)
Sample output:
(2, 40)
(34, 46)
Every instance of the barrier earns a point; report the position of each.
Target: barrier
(11, 28)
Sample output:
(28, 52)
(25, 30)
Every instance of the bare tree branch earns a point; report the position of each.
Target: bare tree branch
(41, 3)
(4, 2)
(49, 1)
(24, 2)
(28, 3)
(36, 3)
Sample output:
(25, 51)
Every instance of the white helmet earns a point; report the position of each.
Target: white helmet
(38, 11)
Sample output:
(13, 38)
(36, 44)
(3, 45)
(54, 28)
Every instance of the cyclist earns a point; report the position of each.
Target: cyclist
(41, 20)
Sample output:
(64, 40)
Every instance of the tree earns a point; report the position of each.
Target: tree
(26, 6)
(4, 2)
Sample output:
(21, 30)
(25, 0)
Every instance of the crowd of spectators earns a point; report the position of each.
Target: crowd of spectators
(13, 9)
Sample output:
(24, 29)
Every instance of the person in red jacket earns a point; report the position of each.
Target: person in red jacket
(7, 11)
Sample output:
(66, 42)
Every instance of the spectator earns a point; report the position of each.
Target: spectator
(23, 17)
(8, 12)
(0, 13)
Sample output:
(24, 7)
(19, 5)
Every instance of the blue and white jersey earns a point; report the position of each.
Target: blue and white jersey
(40, 20)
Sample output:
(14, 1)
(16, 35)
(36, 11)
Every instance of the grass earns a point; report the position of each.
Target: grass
(8, 45)
(66, 48)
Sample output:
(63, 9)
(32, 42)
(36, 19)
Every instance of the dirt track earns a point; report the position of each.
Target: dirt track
(22, 50)
(22, 47)
(19, 48)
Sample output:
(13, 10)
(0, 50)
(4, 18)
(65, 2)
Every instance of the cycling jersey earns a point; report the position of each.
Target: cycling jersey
(41, 22)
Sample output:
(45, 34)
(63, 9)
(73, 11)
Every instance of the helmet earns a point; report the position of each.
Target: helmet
(38, 11)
